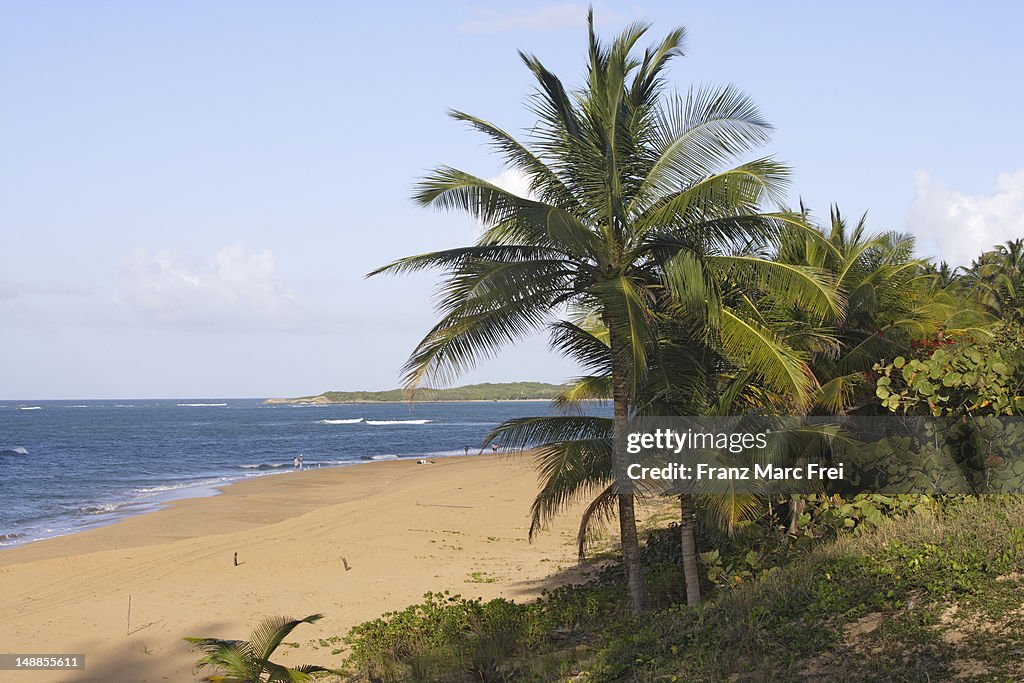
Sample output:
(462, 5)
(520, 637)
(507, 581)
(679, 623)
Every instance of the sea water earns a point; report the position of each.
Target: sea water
(70, 465)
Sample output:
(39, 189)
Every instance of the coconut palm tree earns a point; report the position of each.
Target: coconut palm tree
(248, 661)
(633, 213)
(892, 299)
(575, 452)
(997, 280)
(943, 274)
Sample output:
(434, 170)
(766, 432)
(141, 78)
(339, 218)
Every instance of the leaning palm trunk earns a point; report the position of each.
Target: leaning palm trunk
(689, 547)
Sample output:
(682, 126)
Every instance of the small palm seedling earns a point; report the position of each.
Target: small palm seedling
(248, 661)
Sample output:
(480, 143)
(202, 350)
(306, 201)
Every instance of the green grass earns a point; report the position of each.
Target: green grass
(929, 596)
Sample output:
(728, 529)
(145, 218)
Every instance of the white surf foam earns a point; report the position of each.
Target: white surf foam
(355, 420)
(30, 407)
(397, 422)
(202, 405)
(101, 508)
(163, 488)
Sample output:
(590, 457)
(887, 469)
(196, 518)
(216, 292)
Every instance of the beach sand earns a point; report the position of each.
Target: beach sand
(404, 529)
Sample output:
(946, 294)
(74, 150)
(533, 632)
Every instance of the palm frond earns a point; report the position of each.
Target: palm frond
(582, 345)
(695, 136)
(269, 635)
(759, 349)
(453, 259)
(630, 320)
(568, 470)
(511, 219)
(735, 192)
(544, 182)
(522, 433)
(600, 510)
(469, 334)
(728, 510)
(811, 289)
(596, 388)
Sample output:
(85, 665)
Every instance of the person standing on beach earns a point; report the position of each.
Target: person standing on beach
(295, 463)
(300, 461)
(467, 450)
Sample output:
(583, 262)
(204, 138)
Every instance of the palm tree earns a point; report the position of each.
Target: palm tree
(892, 299)
(248, 661)
(997, 280)
(575, 452)
(630, 215)
(942, 272)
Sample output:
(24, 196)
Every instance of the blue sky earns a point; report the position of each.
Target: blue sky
(190, 192)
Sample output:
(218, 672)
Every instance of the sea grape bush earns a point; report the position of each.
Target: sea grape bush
(968, 388)
(968, 377)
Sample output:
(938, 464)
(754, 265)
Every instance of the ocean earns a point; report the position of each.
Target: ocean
(66, 466)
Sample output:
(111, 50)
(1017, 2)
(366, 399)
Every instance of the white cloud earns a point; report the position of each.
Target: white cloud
(513, 180)
(956, 227)
(544, 18)
(234, 289)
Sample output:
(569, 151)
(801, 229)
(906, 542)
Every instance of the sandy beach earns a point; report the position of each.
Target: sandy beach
(404, 529)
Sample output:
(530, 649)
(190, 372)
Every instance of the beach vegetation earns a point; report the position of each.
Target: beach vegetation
(248, 661)
(871, 592)
(996, 280)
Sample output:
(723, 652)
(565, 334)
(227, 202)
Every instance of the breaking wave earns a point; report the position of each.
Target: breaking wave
(101, 508)
(355, 420)
(397, 422)
(152, 490)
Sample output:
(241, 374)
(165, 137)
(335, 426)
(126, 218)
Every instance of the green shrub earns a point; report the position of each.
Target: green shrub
(446, 637)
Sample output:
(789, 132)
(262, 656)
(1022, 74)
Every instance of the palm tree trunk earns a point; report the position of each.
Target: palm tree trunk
(631, 553)
(626, 501)
(689, 543)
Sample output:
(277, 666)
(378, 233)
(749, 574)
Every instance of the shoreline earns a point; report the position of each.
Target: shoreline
(404, 529)
(130, 507)
(325, 402)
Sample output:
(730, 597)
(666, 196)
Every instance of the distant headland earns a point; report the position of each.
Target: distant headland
(509, 391)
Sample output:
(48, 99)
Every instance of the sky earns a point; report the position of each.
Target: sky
(192, 192)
